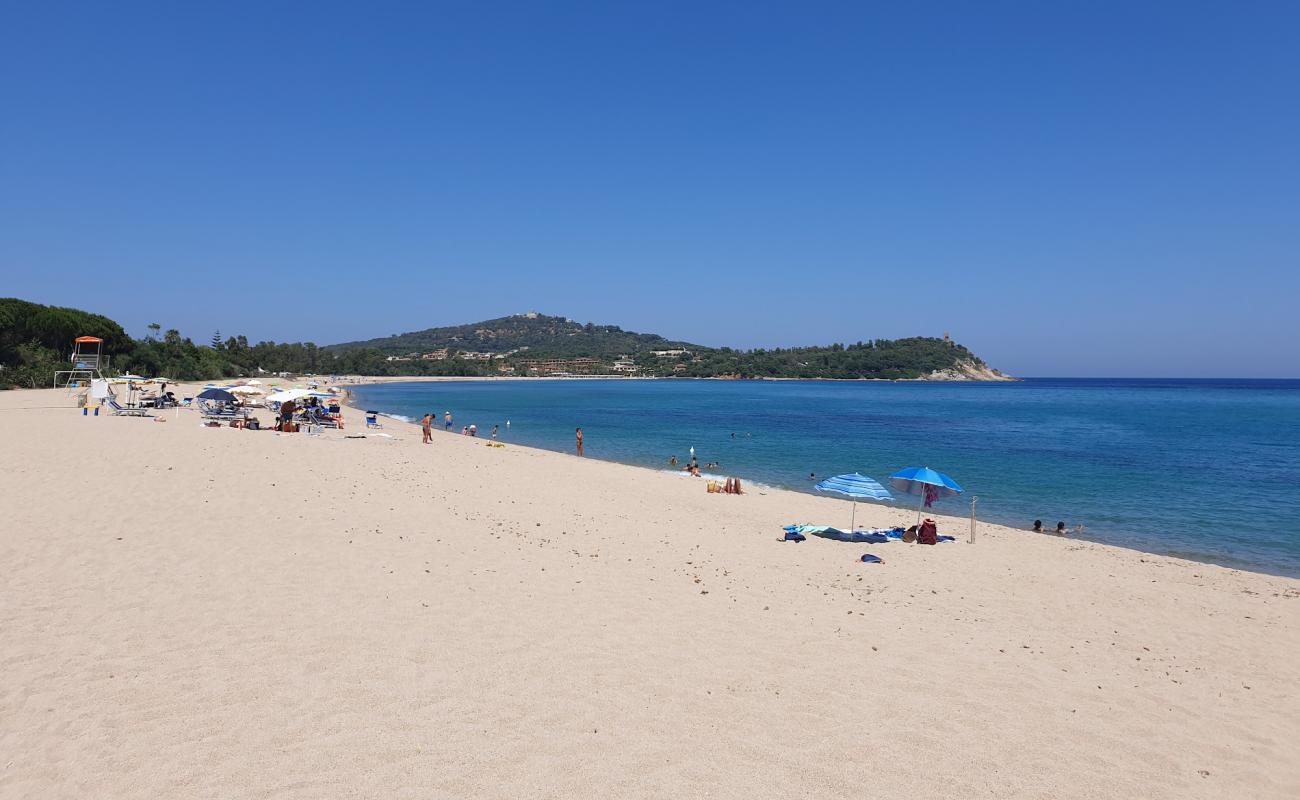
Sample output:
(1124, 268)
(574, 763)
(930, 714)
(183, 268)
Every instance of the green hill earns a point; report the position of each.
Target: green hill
(541, 335)
(538, 344)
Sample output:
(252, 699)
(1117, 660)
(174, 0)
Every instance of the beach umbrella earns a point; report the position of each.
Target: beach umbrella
(291, 394)
(217, 395)
(856, 486)
(246, 390)
(929, 484)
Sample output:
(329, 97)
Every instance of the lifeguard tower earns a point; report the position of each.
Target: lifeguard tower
(88, 361)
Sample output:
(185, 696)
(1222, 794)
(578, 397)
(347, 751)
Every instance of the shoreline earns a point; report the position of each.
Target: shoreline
(1238, 565)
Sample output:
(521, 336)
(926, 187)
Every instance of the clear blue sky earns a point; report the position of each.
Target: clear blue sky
(1071, 188)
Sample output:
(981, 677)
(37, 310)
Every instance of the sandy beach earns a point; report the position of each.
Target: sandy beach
(216, 613)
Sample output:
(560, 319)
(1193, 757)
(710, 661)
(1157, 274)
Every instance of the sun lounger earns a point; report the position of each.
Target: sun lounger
(120, 410)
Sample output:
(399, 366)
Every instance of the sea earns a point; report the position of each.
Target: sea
(1201, 469)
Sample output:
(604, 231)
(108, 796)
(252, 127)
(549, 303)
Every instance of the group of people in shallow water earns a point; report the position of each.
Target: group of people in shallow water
(1061, 530)
(428, 420)
(692, 468)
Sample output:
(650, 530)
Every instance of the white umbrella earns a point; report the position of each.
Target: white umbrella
(246, 390)
(284, 397)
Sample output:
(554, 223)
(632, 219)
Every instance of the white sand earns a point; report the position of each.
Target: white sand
(195, 613)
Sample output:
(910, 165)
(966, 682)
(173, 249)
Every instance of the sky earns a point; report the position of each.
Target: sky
(1069, 188)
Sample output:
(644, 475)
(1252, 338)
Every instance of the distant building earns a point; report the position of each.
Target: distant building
(561, 366)
(470, 355)
(436, 355)
(677, 353)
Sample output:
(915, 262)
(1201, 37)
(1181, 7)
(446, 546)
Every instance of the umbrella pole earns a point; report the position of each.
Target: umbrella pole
(853, 517)
(919, 506)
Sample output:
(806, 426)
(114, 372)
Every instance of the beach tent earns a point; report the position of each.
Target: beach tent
(929, 484)
(856, 486)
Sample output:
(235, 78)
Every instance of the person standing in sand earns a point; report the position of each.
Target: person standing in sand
(446, 418)
(578, 440)
(426, 427)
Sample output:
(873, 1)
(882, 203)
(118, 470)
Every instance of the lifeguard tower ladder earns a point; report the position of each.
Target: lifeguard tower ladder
(88, 361)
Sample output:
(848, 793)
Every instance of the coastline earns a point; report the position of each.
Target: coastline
(303, 615)
(1109, 538)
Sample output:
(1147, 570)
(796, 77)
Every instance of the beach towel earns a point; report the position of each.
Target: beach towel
(877, 536)
(792, 535)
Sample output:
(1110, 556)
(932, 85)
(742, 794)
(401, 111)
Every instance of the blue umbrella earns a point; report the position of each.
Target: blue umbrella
(219, 395)
(856, 486)
(922, 481)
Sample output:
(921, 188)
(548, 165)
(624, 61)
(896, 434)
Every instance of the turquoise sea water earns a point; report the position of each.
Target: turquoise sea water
(1204, 469)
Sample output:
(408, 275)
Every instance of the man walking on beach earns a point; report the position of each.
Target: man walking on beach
(426, 427)
(579, 440)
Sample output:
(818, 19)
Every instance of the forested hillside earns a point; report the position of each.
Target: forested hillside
(544, 336)
(35, 340)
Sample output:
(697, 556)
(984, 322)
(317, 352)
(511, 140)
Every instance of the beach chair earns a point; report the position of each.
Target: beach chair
(372, 420)
(120, 410)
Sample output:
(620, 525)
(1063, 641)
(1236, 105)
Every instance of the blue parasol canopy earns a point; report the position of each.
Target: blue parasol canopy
(219, 395)
(913, 480)
(857, 486)
(924, 481)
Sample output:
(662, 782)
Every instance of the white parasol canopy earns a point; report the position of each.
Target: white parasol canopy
(284, 397)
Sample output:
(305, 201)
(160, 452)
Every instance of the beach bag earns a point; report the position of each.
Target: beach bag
(928, 533)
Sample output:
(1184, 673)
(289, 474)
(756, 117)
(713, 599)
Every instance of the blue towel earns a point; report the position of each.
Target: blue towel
(877, 536)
